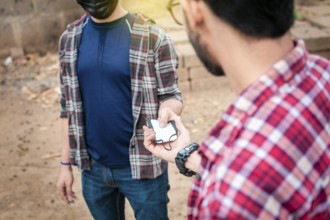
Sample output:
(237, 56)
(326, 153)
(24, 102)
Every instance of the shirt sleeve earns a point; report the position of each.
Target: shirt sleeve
(61, 54)
(166, 63)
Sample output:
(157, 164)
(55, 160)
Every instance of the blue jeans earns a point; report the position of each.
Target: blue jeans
(104, 190)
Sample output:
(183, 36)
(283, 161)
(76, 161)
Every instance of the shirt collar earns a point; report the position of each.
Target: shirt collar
(273, 80)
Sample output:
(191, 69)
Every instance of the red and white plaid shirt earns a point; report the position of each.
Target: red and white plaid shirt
(269, 155)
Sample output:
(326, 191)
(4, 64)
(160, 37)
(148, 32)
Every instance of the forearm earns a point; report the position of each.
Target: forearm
(65, 151)
(172, 104)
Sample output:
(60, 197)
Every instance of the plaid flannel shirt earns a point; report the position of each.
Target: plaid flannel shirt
(153, 63)
(269, 155)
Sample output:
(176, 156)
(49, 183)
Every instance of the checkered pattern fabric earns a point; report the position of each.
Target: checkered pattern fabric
(269, 155)
(153, 64)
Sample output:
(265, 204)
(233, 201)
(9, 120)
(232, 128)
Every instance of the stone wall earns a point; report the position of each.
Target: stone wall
(34, 25)
(313, 27)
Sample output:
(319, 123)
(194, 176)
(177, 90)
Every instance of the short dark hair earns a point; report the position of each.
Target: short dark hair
(256, 18)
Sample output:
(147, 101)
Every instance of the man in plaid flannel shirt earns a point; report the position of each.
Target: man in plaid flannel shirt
(268, 157)
(146, 63)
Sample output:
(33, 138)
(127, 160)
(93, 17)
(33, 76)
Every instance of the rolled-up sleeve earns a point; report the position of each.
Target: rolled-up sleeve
(166, 63)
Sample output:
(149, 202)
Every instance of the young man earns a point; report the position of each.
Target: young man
(268, 157)
(117, 69)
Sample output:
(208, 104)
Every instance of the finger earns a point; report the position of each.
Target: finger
(148, 131)
(62, 193)
(148, 142)
(69, 192)
(149, 134)
(163, 119)
(162, 123)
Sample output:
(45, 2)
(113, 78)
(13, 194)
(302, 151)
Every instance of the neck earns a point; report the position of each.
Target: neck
(245, 60)
(117, 13)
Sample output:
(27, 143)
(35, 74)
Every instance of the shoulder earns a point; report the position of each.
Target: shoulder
(141, 19)
(157, 31)
(77, 23)
(149, 25)
(146, 26)
(318, 65)
(159, 37)
(70, 27)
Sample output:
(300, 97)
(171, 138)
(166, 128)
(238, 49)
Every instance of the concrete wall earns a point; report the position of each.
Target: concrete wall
(34, 25)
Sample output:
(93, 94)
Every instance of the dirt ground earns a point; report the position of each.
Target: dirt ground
(30, 135)
(30, 140)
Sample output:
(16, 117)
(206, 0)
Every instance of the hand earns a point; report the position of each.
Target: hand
(64, 185)
(165, 115)
(158, 149)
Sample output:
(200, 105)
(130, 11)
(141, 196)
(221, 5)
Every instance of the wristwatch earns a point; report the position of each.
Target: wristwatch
(182, 156)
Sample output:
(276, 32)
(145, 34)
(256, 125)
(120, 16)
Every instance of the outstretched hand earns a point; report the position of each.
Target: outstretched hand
(159, 149)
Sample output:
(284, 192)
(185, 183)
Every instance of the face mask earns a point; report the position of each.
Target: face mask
(99, 9)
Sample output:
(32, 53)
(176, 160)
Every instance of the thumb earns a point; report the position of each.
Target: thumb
(163, 118)
(162, 123)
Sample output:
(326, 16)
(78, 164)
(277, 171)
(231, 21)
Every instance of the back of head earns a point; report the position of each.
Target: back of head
(256, 18)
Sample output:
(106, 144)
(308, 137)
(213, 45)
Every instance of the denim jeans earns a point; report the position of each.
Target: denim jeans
(104, 190)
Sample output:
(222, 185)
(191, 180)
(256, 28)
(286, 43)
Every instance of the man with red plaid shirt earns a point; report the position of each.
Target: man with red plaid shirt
(268, 157)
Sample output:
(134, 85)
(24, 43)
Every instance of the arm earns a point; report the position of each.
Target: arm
(65, 157)
(193, 161)
(65, 180)
(166, 62)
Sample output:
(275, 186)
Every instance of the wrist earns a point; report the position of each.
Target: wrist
(186, 169)
(66, 168)
(65, 164)
(193, 161)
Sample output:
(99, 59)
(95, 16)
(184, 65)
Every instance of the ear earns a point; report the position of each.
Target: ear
(194, 14)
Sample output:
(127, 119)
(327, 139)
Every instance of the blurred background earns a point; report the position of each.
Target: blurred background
(35, 25)
(29, 26)
(29, 99)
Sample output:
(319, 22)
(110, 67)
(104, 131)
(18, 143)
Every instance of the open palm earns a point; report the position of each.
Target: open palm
(162, 150)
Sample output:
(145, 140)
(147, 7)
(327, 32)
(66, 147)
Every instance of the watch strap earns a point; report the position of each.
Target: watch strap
(182, 157)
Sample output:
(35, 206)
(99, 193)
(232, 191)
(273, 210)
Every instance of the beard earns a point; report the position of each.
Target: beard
(204, 56)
